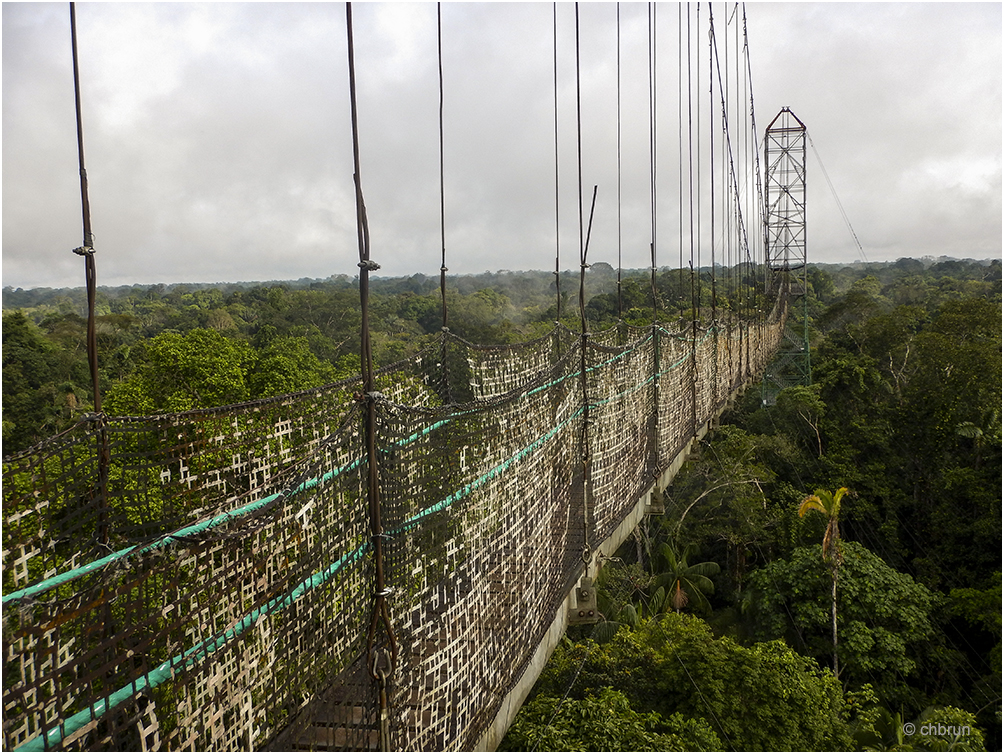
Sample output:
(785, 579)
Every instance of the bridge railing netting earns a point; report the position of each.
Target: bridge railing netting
(205, 581)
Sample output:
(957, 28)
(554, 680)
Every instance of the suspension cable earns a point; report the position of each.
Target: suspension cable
(86, 250)
(557, 231)
(381, 611)
(697, 129)
(442, 170)
(652, 143)
(711, 151)
(690, 160)
(679, 131)
(620, 297)
(583, 249)
(716, 67)
(760, 206)
(843, 213)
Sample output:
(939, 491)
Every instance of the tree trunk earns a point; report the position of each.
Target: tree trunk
(836, 669)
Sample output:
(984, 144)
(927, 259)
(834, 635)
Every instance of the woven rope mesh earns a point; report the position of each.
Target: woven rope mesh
(214, 590)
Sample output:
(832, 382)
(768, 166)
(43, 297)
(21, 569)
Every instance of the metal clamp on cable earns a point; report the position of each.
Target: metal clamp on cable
(378, 670)
(386, 591)
(83, 251)
(380, 675)
(369, 264)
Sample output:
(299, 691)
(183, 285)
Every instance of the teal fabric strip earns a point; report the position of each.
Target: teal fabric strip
(173, 537)
(166, 670)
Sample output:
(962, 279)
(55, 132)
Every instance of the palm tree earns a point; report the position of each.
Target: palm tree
(828, 503)
(685, 583)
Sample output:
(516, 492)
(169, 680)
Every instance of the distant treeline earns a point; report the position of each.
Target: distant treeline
(281, 337)
(602, 278)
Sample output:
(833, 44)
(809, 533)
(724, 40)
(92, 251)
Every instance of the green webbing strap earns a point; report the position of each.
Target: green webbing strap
(224, 518)
(166, 670)
(177, 536)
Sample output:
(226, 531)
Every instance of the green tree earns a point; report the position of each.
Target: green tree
(684, 582)
(604, 721)
(828, 503)
(764, 697)
(946, 729)
(719, 500)
(46, 384)
(200, 369)
(885, 616)
(287, 365)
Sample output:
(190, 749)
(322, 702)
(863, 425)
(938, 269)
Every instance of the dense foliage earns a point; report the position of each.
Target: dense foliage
(759, 698)
(717, 631)
(904, 411)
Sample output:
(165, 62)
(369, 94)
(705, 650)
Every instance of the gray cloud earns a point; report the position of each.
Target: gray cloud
(218, 148)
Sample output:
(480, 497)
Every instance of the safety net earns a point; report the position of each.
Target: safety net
(205, 580)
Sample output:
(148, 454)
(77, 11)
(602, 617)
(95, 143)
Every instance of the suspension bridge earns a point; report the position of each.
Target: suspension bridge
(382, 563)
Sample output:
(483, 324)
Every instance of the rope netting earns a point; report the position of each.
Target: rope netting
(213, 588)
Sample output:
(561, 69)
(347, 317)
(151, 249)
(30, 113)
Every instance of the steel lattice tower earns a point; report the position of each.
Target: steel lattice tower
(784, 221)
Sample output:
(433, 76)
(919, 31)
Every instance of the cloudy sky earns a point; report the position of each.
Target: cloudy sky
(218, 141)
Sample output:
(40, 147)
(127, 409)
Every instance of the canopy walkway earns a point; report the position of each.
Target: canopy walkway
(384, 562)
(215, 590)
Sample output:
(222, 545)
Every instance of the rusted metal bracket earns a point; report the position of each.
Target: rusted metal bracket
(656, 504)
(585, 610)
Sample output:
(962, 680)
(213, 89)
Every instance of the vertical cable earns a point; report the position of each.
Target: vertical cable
(713, 327)
(726, 183)
(578, 129)
(620, 298)
(90, 279)
(653, 428)
(690, 162)
(652, 143)
(557, 231)
(697, 129)
(711, 143)
(742, 146)
(87, 248)
(690, 196)
(679, 127)
(381, 611)
(442, 170)
(750, 176)
(444, 339)
(583, 243)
